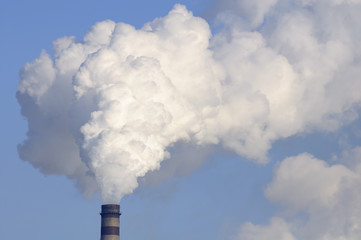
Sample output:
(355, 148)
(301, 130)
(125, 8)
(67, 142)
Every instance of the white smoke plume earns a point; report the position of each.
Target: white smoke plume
(105, 110)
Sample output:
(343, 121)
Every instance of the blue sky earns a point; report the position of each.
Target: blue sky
(232, 193)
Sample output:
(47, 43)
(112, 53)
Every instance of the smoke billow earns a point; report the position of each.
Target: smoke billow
(103, 111)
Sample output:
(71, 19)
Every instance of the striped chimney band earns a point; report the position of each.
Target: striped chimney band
(110, 222)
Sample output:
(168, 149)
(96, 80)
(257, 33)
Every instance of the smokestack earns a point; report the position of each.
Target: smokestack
(110, 222)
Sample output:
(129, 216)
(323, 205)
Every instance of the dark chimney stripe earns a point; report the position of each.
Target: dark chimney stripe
(107, 214)
(110, 208)
(110, 231)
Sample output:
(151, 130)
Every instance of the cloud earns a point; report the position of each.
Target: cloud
(277, 229)
(320, 201)
(303, 181)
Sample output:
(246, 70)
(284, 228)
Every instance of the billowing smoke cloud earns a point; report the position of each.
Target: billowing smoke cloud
(104, 111)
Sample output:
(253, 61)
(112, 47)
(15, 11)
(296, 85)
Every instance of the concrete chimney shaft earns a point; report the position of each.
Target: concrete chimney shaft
(110, 222)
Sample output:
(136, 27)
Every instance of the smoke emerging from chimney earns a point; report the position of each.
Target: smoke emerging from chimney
(103, 111)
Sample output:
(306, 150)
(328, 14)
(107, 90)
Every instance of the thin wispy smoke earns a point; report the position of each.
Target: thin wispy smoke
(105, 110)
